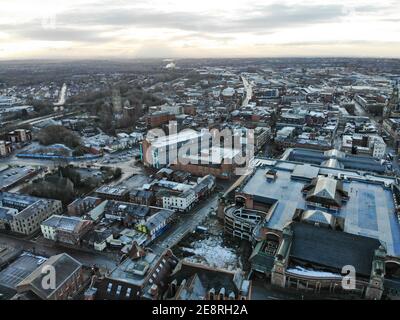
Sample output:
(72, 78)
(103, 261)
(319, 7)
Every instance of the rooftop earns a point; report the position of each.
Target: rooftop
(64, 266)
(19, 270)
(64, 222)
(12, 175)
(369, 211)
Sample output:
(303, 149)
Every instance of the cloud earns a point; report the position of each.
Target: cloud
(255, 19)
(149, 28)
(63, 34)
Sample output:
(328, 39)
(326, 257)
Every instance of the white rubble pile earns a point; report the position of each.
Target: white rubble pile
(211, 252)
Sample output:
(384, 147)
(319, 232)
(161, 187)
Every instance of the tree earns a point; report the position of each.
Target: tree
(117, 173)
(58, 134)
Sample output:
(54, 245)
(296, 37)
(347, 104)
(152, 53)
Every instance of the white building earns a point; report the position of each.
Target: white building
(285, 133)
(378, 146)
(179, 201)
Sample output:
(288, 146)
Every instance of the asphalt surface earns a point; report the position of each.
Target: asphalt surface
(48, 249)
(186, 223)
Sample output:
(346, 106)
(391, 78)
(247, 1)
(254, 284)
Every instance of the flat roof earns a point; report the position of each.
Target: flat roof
(172, 139)
(370, 210)
(12, 175)
(131, 271)
(63, 222)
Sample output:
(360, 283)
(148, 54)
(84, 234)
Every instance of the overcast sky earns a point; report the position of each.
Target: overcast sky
(201, 28)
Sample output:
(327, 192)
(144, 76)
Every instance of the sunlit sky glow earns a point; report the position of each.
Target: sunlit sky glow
(196, 29)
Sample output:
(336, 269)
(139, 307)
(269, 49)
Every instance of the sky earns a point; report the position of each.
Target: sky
(43, 29)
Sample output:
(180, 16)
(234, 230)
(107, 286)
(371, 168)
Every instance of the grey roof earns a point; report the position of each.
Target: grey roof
(5, 214)
(317, 216)
(331, 248)
(63, 222)
(126, 208)
(305, 171)
(19, 270)
(347, 161)
(369, 210)
(208, 278)
(158, 218)
(332, 163)
(64, 266)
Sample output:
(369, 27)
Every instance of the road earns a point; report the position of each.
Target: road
(186, 223)
(86, 258)
(249, 91)
(62, 97)
(359, 111)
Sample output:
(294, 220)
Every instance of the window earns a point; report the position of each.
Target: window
(128, 292)
(109, 287)
(119, 290)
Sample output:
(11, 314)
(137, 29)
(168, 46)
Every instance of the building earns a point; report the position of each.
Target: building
(314, 251)
(156, 224)
(161, 151)
(177, 200)
(143, 197)
(285, 134)
(372, 145)
(328, 207)
(158, 118)
(191, 281)
(129, 213)
(182, 197)
(142, 276)
(261, 136)
(370, 103)
(113, 193)
(82, 206)
(29, 212)
(11, 176)
(216, 161)
(69, 279)
(64, 229)
(5, 148)
(18, 267)
(391, 127)
(335, 159)
(20, 135)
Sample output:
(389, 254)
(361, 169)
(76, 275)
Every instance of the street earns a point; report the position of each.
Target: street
(249, 92)
(187, 223)
(86, 258)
